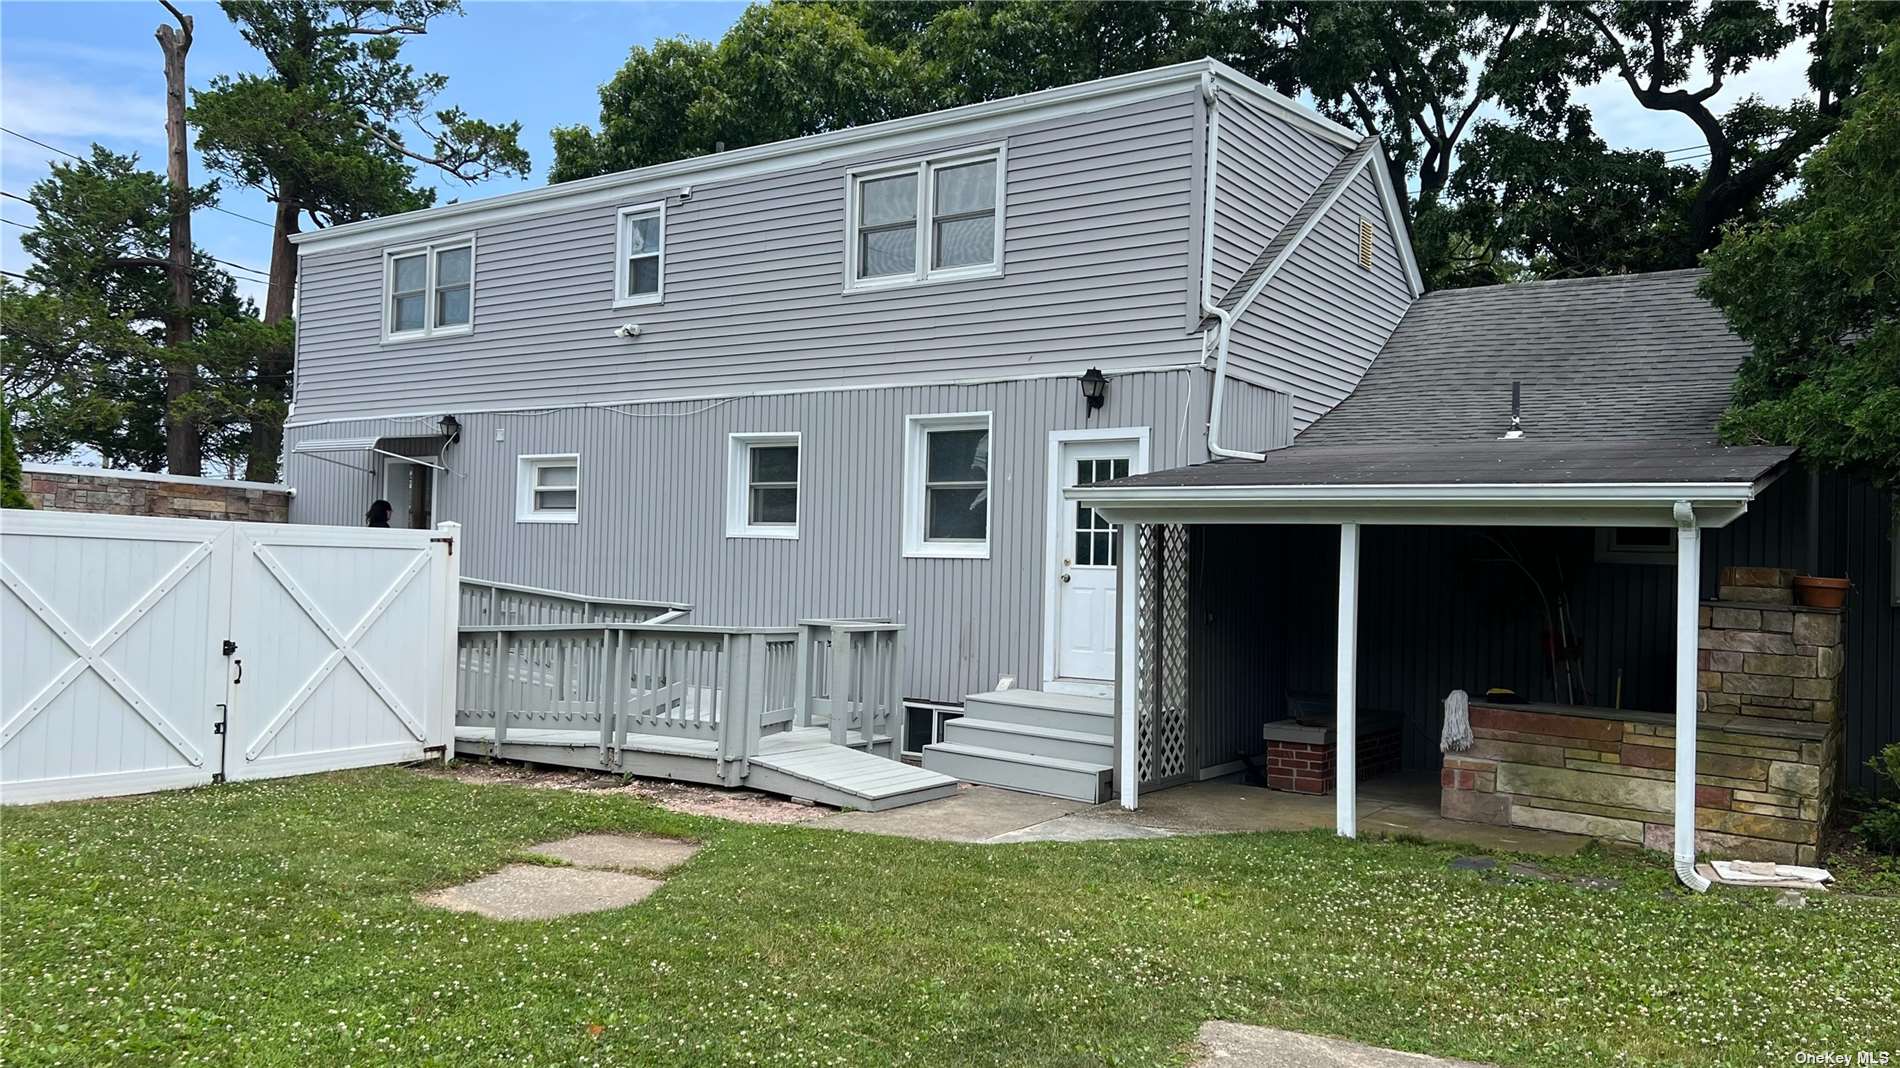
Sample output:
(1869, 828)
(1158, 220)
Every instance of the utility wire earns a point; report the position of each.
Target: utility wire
(82, 159)
(264, 276)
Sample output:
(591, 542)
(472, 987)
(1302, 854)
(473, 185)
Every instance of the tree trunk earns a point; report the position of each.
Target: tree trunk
(272, 395)
(184, 451)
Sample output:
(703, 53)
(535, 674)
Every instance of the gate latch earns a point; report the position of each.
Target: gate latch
(229, 647)
(218, 727)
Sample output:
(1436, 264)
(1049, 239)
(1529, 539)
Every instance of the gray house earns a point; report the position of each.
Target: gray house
(852, 375)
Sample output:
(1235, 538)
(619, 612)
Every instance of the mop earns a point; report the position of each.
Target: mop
(1456, 737)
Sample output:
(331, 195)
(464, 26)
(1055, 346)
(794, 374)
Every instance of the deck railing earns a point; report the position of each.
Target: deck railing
(486, 603)
(721, 687)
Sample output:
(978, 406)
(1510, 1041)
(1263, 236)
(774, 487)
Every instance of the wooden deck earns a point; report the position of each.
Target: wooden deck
(803, 763)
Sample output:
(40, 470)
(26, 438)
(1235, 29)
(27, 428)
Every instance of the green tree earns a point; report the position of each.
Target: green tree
(333, 131)
(86, 359)
(12, 478)
(1815, 289)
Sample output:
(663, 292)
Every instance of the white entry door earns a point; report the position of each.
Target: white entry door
(1085, 551)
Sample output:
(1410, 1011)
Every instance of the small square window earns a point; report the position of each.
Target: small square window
(640, 273)
(1636, 545)
(923, 725)
(762, 488)
(947, 486)
(548, 489)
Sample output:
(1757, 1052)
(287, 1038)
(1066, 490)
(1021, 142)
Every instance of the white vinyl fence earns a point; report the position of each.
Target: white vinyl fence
(140, 654)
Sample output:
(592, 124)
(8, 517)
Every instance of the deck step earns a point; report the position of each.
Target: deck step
(1084, 746)
(1073, 779)
(848, 778)
(1034, 708)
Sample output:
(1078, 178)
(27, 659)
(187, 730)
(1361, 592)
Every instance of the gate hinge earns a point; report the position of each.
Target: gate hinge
(450, 542)
(229, 647)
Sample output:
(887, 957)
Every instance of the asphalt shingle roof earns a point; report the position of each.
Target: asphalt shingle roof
(1622, 378)
(1620, 358)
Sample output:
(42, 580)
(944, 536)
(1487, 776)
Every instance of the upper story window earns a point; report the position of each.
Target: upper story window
(926, 220)
(548, 489)
(429, 290)
(640, 270)
(762, 486)
(947, 485)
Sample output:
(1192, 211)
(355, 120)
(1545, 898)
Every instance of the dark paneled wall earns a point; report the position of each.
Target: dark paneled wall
(1444, 608)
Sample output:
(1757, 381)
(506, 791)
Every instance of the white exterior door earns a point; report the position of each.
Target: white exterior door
(338, 633)
(1085, 551)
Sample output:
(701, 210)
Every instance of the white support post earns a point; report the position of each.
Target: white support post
(1346, 701)
(1688, 606)
(441, 720)
(1126, 668)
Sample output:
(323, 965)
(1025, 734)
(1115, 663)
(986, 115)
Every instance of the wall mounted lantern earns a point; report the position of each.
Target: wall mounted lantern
(1094, 388)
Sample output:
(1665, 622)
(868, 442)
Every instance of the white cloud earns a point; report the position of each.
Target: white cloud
(50, 106)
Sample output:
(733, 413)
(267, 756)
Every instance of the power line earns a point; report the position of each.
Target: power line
(82, 159)
(264, 276)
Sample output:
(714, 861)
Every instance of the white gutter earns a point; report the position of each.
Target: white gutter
(1223, 320)
(1435, 493)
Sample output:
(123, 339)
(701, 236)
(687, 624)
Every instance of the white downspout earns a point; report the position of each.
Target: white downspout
(1223, 319)
(1688, 604)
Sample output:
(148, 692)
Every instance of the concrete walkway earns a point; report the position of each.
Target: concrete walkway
(1232, 1045)
(989, 815)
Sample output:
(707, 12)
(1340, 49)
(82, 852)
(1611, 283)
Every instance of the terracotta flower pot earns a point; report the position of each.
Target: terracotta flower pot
(1820, 592)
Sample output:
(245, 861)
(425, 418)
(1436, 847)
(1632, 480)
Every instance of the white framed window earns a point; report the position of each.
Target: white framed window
(763, 485)
(548, 489)
(1636, 545)
(926, 220)
(947, 485)
(429, 290)
(923, 725)
(640, 262)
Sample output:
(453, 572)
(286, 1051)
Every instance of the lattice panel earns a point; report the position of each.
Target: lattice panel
(1147, 589)
(1171, 750)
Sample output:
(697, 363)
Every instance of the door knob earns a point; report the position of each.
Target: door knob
(1065, 576)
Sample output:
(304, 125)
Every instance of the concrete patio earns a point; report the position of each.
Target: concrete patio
(985, 814)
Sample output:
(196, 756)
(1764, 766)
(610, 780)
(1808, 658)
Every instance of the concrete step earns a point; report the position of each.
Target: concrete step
(1053, 776)
(1034, 708)
(1083, 746)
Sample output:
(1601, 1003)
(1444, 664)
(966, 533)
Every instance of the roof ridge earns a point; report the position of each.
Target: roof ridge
(1554, 283)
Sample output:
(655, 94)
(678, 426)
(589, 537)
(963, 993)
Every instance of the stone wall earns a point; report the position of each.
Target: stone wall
(83, 489)
(1768, 742)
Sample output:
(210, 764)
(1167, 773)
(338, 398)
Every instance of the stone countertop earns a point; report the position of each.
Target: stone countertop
(1707, 721)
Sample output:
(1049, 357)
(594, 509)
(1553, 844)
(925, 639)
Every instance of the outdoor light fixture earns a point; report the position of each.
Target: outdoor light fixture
(1094, 387)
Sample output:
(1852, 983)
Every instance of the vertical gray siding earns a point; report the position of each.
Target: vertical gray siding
(1323, 318)
(1097, 255)
(652, 523)
(1268, 166)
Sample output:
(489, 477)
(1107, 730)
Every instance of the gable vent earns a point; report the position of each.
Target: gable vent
(1365, 242)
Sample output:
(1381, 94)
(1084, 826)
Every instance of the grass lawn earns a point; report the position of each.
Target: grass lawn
(273, 923)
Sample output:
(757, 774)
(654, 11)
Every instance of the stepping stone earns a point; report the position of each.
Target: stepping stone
(1233, 1045)
(619, 852)
(537, 892)
(1474, 863)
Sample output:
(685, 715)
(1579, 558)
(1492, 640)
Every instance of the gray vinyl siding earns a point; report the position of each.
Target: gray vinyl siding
(653, 492)
(1097, 255)
(1320, 322)
(1268, 166)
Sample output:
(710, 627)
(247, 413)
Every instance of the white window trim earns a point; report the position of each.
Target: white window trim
(939, 715)
(658, 296)
(428, 250)
(739, 485)
(926, 204)
(1609, 552)
(525, 466)
(916, 456)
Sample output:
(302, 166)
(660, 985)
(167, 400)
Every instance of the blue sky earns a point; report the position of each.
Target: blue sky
(74, 73)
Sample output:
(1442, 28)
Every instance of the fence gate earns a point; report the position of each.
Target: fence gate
(142, 654)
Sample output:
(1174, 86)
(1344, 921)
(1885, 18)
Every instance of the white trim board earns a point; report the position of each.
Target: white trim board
(895, 135)
(1073, 371)
(1054, 531)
